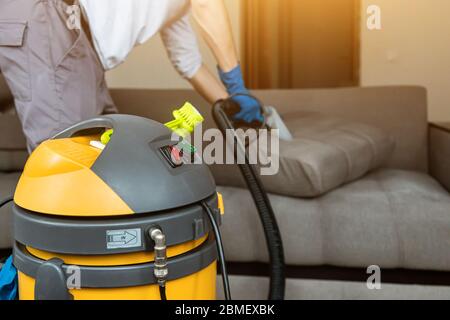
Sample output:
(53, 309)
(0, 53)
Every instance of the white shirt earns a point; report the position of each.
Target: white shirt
(117, 26)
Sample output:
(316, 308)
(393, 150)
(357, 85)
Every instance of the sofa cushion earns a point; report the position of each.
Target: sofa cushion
(8, 184)
(12, 161)
(13, 148)
(391, 218)
(11, 133)
(326, 153)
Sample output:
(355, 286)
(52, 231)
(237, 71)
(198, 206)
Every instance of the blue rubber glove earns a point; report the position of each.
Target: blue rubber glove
(8, 281)
(250, 108)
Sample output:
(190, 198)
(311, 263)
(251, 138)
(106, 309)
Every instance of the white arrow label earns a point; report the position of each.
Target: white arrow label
(118, 239)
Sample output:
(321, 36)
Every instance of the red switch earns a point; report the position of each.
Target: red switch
(176, 156)
(173, 155)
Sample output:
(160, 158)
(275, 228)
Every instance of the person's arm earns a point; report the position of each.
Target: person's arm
(213, 20)
(182, 48)
(207, 85)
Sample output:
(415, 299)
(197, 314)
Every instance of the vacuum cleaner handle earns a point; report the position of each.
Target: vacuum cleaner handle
(51, 282)
(230, 107)
(100, 122)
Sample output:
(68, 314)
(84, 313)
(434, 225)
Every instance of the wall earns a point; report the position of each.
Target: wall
(322, 43)
(149, 67)
(412, 47)
(298, 44)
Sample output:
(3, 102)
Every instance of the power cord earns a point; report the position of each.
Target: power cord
(162, 293)
(223, 267)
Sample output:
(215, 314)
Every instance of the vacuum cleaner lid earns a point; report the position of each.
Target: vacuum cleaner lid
(134, 173)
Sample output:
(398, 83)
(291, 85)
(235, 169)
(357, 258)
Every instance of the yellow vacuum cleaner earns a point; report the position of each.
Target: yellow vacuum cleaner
(111, 209)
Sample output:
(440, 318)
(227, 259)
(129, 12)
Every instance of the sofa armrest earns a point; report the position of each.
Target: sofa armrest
(439, 153)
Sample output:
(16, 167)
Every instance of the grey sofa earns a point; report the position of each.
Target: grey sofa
(397, 217)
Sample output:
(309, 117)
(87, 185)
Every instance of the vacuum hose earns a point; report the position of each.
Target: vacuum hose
(262, 202)
(220, 251)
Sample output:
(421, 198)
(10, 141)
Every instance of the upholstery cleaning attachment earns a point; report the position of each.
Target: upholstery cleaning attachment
(106, 136)
(186, 119)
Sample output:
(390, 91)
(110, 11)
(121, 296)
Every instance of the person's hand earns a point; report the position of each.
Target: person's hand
(250, 107)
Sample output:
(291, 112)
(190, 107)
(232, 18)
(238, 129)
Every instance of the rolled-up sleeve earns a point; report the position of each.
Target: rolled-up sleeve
(182, 47)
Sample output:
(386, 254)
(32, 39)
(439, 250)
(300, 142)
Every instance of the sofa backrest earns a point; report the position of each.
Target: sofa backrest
(401, 111)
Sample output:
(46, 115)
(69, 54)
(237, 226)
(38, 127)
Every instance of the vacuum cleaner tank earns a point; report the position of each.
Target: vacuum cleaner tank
(136, 172)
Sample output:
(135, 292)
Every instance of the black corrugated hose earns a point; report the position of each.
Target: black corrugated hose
(262, 202)
(220, 251)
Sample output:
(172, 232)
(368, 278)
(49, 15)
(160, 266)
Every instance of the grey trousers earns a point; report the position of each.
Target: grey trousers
(51, 69)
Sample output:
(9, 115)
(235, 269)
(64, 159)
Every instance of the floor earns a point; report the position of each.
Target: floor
(256, 288)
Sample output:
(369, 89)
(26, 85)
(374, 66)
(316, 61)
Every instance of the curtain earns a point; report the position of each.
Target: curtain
(300, 43)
